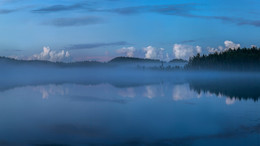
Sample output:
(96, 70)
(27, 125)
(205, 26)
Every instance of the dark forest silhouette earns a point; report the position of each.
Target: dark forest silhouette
(246, 59)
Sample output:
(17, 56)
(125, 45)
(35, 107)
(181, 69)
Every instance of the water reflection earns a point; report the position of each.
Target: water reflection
(234, 89)
(230, 101)
(152, 113)
(183, 92)
(127, 92)
(51, 90)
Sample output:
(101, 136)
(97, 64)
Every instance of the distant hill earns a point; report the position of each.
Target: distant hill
(114, 62)
(246, 59)
(11, 61)
(127, 62)
(178, 61)
(133, 60)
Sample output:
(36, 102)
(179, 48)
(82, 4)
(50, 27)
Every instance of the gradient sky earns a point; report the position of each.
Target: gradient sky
(99, 29)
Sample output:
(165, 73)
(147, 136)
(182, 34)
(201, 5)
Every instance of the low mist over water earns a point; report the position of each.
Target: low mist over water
(127, 106)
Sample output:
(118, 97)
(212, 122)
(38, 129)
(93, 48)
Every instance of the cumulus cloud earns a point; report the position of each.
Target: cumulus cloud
(154, 53)
(182, 51)
(228, 45)
(48, 54)
(198, 49)
(167, 57)
(217, 50)
(231, 45)
(127, 51)
(220, 48)
(150, 52)
(213, 50)
(161, 54)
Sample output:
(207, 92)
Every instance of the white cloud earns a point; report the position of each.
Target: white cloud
(228, 45)
(67, 54)
(150, 52)
(154, 53)
(127, 51)
(161, 54)
(48, 54)
(253, 46)
(167, 57)
(198, 49)
(221, 49)
(213, 50)
(182, 51)
(231, 45)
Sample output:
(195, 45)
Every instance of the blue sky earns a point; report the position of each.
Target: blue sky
(103, 29)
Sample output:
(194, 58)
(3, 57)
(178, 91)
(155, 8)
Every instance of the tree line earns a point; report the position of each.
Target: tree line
(245, 59)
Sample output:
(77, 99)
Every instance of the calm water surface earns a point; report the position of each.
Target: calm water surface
(163, 113)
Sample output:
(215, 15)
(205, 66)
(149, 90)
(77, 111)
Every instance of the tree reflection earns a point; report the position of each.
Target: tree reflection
(233, 88)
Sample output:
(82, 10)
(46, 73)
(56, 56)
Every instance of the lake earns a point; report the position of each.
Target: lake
(187, 112)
